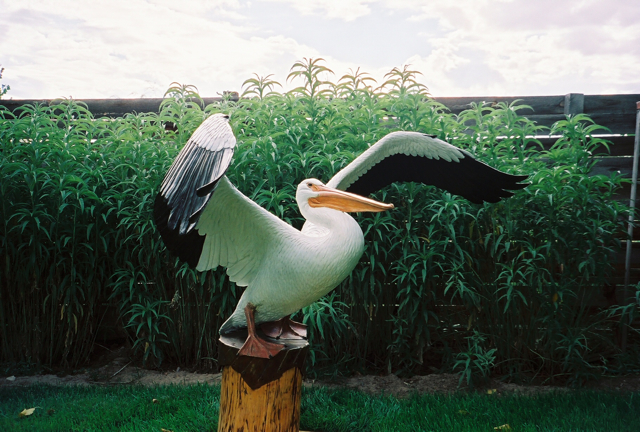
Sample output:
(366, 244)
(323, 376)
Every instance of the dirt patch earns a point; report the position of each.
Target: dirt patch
(115, 367)
(625, 383)
(394, 385)
(444, 383)
(131, 375)
(120, 370)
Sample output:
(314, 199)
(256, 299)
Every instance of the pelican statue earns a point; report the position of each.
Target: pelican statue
(207, 222)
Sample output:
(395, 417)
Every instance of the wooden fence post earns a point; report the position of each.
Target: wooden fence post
(573, 104)
(260, 394)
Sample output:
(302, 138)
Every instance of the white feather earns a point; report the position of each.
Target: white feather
(283, 268)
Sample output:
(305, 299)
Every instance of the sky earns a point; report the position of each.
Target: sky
(137, 48)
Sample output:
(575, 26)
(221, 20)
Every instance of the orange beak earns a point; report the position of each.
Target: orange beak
(345, 201)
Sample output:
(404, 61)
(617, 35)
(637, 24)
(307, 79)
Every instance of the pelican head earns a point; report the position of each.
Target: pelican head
(312, 195)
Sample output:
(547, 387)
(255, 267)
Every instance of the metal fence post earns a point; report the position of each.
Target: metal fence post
(632, 213)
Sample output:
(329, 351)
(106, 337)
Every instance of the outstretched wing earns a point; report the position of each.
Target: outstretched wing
(416, 157)
(178, 205)
(204, 219)
(239, 234)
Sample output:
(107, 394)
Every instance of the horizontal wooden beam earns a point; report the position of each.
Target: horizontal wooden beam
(110, 107)
(617, 112)
(619, 145)
(608, 164)
(553, 105)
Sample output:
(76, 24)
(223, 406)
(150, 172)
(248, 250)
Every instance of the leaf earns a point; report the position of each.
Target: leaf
(504, 427)
(165, 430)
(491, 391)
(26, 412)
(463, 412)
(155, 401)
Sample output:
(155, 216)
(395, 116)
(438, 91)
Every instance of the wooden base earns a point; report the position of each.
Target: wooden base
(273, 407)
(260, 394)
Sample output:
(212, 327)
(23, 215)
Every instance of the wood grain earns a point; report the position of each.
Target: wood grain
(273, 407)
(259, 394)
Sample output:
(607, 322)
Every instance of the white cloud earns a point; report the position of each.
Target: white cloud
(347, 10)
(137, 48)
(132, 49)
(531, 47)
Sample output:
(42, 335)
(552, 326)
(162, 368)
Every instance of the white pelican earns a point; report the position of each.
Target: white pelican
(207, 222)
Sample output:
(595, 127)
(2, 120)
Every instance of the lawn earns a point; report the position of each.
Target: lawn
(195, 408)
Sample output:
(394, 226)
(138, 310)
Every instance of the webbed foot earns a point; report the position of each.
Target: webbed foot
(255, 346)
(284, 328)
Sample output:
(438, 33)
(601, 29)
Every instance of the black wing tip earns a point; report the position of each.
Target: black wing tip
(519, 186)
(519, 182)
(519, 178)
(187, 247)
(510, 184)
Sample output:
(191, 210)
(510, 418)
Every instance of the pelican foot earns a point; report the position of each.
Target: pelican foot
(284, 328)
(256, 347)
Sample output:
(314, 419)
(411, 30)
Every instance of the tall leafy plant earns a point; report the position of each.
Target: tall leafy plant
(503, 288)
(3, 88)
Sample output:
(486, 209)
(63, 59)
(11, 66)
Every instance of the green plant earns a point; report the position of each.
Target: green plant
(77, 233)
(327, 324)
(475, 364)
(147, 322)
(261, 87)
(3, 88)
(309, 71)
(576, 144)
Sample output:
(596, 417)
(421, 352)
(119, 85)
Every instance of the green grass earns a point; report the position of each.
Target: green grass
(195, 408)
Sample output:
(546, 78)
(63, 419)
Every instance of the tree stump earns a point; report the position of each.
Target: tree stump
(260, 394)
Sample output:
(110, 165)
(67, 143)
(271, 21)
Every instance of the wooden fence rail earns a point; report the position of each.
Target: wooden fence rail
(615, 112)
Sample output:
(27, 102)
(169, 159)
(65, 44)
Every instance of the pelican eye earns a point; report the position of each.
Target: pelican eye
(310, 184)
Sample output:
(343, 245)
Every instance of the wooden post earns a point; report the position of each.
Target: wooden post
(573, 104)
(260, 394)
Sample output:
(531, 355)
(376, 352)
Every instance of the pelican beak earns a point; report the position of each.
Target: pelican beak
(345, 201)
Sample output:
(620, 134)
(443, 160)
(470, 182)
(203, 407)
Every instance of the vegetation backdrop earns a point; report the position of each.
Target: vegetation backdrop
(444, 284)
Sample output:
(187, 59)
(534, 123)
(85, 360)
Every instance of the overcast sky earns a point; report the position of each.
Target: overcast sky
(137, 48)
